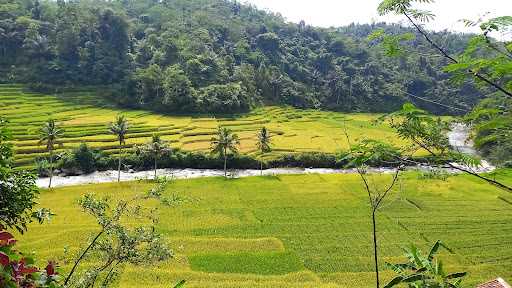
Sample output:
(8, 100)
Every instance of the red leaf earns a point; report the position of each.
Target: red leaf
(4, 259)
(50, 268)
(6, 236)
(28, 270)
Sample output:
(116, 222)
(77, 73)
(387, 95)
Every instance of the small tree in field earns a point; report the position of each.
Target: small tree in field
(263, 144)
(223, 143)
(366, 153)
(157, 148)
(116, 243)
(49, 135)
(119, 128)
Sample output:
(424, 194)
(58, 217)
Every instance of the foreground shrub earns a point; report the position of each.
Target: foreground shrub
(424, 271)
(18, 270)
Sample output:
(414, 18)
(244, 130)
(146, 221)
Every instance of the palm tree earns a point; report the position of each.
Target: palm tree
(223, 143)
(424, 271)
(157, 147)
(119, 128)
(263, 144)
(49, 135)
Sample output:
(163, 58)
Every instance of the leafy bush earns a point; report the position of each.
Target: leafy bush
(18, 270)
(306, 160)
(82, 159)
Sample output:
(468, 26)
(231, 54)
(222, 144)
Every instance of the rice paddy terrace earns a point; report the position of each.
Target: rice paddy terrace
(296, 231)
(85, 118)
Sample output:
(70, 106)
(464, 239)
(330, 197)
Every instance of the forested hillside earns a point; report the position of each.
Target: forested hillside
(218, 56)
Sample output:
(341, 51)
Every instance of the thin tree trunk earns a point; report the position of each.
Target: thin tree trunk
(155, 167)
(82, 256)
(119, 165)
(261, 168)
(225, 166)
(375, 252)
(51, 169)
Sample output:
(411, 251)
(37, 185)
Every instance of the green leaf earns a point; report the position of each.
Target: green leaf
(180, 284)
(456, 275)
(433, 250)
(397, 280)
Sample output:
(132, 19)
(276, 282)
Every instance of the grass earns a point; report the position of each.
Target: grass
(85, 118)
(297, 230)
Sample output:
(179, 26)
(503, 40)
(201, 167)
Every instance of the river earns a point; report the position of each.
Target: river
(458, 137)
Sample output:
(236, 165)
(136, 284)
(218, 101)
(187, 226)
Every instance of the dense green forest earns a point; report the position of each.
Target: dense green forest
(219, 56)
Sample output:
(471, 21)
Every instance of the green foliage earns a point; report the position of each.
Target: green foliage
(18, 198)
(492, 124)
(6, 151)
(117, 243)
(82, 159)
(18, 190)
(225, 142)
(19, 271)
(164, 56)
(119, 128)
(391, 44)
(264, 140)
(50, 135)
(371, 153)
(424, 271)
(423, 130)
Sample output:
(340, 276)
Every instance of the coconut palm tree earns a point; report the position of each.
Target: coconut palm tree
(263, 144)
(156, 147)
(223, 143)
(49, 135)
(119, 128)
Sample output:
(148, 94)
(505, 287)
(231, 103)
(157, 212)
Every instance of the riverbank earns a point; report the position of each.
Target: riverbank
(458, 137)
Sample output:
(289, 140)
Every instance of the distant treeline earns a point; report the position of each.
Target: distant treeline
(218, 56)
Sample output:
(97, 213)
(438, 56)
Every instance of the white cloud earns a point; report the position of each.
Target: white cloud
(328, 13)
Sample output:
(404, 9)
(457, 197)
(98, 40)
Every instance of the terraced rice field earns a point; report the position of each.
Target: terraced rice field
(297, 231)
(85, 118)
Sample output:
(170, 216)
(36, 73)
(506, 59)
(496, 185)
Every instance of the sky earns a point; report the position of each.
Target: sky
(326, 13)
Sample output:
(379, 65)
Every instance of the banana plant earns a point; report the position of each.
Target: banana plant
(424, 271)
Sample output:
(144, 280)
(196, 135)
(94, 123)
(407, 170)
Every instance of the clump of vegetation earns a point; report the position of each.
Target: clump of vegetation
(19, 270)
(83, 159)
(492, 125)
(424, 271)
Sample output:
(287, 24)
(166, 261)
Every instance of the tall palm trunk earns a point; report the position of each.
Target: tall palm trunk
(155, 166)
(261, 168)
(51, 169)
(119, 164)
(225, 163)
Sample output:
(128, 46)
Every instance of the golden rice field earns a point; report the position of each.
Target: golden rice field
(296, 231)
(85, 118)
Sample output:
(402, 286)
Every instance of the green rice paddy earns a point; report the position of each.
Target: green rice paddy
(85, 118)
(297, 231)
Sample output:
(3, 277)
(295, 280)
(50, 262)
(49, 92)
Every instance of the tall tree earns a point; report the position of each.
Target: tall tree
(361, 156)
(223, 143)
(49, 135)
(263, 144)
(119, 128)
(157, 147)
